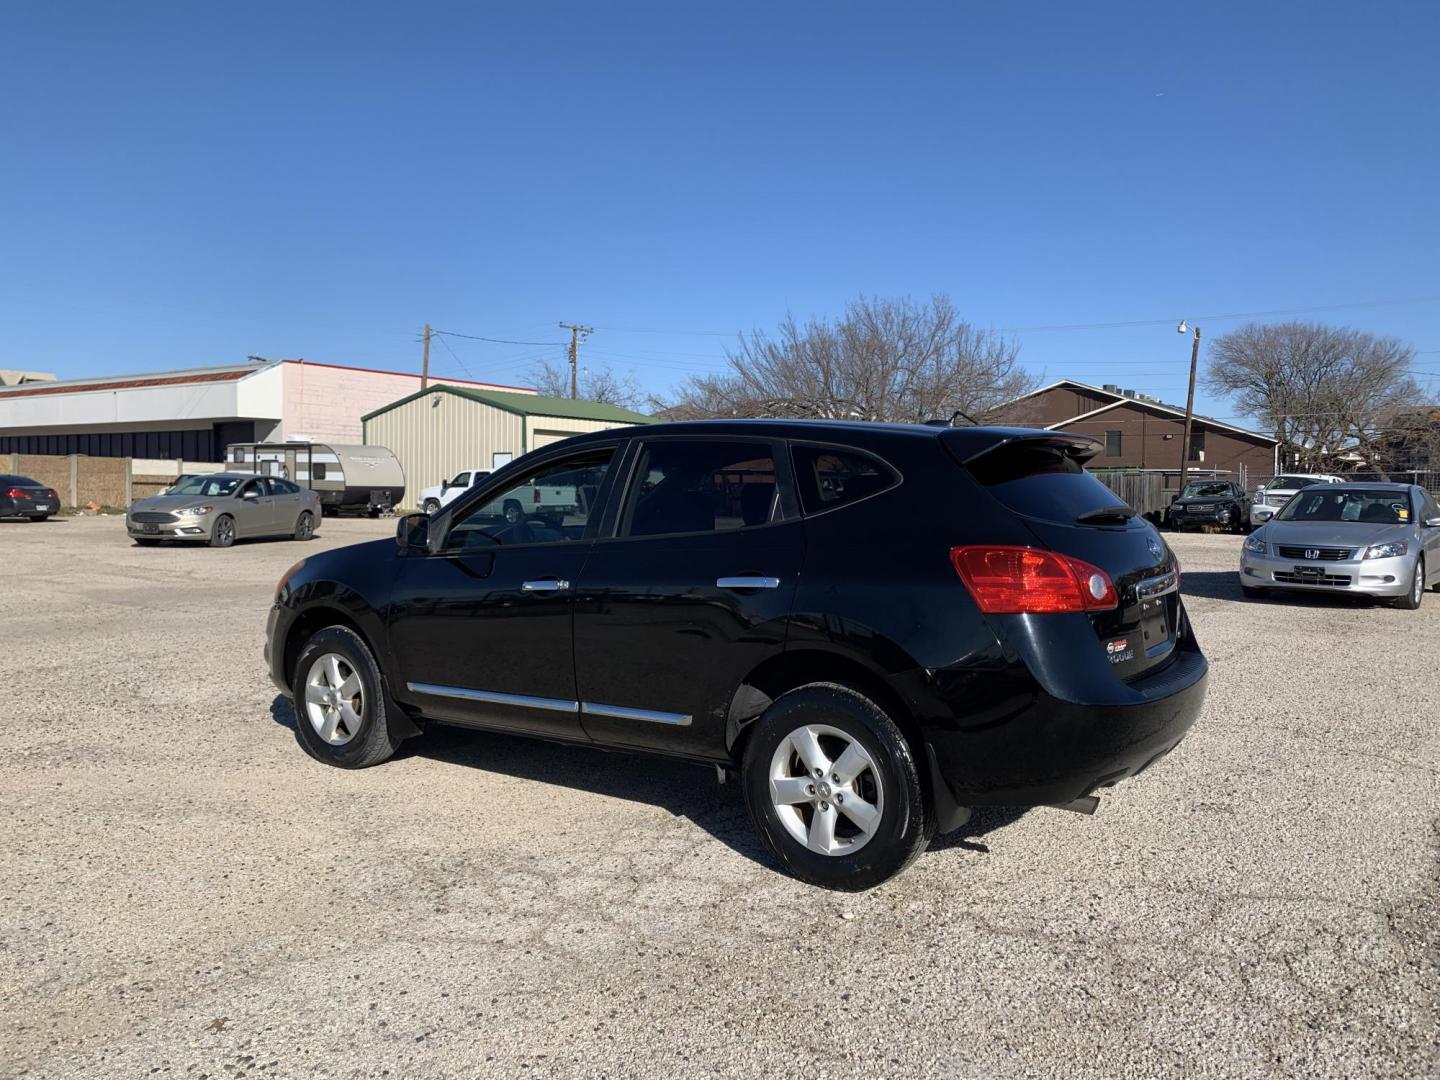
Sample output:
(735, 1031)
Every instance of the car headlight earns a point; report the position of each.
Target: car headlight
(194, 511)
(1255, 544)
(1386, 551)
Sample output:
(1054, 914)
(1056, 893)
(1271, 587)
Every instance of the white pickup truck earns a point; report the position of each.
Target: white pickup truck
(434, 499)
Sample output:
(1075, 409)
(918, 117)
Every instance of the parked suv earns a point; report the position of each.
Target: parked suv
(876, 626)
(1269, 498)
(1210, 504)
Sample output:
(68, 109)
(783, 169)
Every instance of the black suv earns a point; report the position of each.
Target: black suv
(1210, 504)
(878, 626)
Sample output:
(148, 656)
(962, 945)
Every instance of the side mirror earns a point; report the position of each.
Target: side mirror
(249, 493)
(1433, 522)
(412, 533)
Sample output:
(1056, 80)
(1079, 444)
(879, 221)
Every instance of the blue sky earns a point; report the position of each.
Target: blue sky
(186, 184)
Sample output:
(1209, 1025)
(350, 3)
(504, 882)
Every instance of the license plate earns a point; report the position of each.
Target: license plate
(150, 528)
(1310, 571)
(43, 506)
(1153, 627)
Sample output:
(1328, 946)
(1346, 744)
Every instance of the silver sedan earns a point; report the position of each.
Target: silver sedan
(1374, 539)
(224, 507)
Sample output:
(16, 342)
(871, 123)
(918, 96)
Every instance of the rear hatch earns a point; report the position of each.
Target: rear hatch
(1040, 477)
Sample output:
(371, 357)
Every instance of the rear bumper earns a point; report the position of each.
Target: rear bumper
(1049, 750)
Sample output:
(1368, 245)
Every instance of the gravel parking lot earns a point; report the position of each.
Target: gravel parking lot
(183, 892)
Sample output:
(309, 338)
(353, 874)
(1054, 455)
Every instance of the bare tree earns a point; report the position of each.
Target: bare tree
(600, 384)
(881, 360)
(1325, 392)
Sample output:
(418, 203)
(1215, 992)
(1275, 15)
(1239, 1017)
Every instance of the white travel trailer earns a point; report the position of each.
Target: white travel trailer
(353, 479)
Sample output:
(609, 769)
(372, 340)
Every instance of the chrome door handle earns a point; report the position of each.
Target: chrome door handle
(747, 581)
(547, 585)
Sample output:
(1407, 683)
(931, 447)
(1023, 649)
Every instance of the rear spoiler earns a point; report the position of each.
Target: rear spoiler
(969, 445)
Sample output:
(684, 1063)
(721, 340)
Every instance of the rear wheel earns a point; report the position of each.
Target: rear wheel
(1411, 600)
(222, 533)
(305, 526)
(341, 713)
(833, 788)
(39, 517)
(514, 512)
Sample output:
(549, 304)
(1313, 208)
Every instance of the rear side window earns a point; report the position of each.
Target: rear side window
(828, 477)
(1041, 482)
(694, 487)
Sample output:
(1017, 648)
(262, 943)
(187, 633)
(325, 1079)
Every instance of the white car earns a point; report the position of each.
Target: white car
(434, 499)
(1272, 496)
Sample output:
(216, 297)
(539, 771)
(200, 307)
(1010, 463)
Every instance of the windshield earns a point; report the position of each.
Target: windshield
(1291, 483)
(1365, 507)
(1199, 491)
(208, 486)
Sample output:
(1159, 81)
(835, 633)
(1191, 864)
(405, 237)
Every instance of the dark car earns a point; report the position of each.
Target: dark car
(22, 497)
(1210, 504)
(877, 626)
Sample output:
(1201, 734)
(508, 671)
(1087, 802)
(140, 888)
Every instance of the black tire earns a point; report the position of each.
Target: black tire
(1412, 598)
(432, 506)
(222, 533)
(305, 526)
(907, 822)
(514, 512)
(39, 517)
(145, 542)
(1254, 593)
(373, 742)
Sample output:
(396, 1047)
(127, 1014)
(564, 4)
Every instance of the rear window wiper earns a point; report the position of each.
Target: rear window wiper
(1113, 515)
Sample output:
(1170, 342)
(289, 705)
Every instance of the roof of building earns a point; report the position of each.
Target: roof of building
(1144, 402)
(183, 376)
(528, 405)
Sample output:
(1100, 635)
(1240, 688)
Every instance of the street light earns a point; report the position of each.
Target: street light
(1189, 404)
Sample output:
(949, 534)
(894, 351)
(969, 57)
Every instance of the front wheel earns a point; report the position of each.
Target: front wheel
(305, 526)
(1411, 600)
(834, 789)
(341, 712)
(1252, 592)
(222, 533)
(432, 506)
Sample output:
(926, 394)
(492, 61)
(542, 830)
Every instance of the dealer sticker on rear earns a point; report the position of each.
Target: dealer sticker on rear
(1118, 650)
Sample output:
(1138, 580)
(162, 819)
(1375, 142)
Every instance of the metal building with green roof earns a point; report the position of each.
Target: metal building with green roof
(444, 430)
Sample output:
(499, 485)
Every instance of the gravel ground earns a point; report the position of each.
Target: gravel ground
(183, 892)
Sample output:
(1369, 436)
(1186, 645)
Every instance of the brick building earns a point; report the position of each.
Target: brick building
(1142, 432)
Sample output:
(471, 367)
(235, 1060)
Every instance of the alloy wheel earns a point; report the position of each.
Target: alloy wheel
(334, 699)
(307, 526)
(225, 532)
(826, 789)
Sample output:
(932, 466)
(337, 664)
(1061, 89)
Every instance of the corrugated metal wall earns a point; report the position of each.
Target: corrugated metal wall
(439, 435)
(548, 429)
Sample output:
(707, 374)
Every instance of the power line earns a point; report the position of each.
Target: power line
(496, 340)
(676, 333)
(1213, 318)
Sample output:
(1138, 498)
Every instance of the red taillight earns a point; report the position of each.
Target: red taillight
(1022, 580)
(17, 493)
(52, 493)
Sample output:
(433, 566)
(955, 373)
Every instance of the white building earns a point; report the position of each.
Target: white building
(194, 414)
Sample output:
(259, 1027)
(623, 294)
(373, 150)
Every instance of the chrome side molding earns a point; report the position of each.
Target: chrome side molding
(620, 712)
(489, 697)
(747, 581)
(525, 701)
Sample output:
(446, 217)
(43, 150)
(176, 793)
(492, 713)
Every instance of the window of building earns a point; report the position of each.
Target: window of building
(1112, 444)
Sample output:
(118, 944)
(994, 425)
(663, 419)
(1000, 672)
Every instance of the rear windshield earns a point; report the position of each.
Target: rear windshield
(19, 481)
(1042, 482)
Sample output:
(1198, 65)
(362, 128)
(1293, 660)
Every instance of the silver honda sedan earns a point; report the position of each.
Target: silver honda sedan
(221, 508)
(1374, 539)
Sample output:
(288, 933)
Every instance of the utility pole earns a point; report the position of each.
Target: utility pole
(1189, 407)
(576, 332)
(425, 362)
